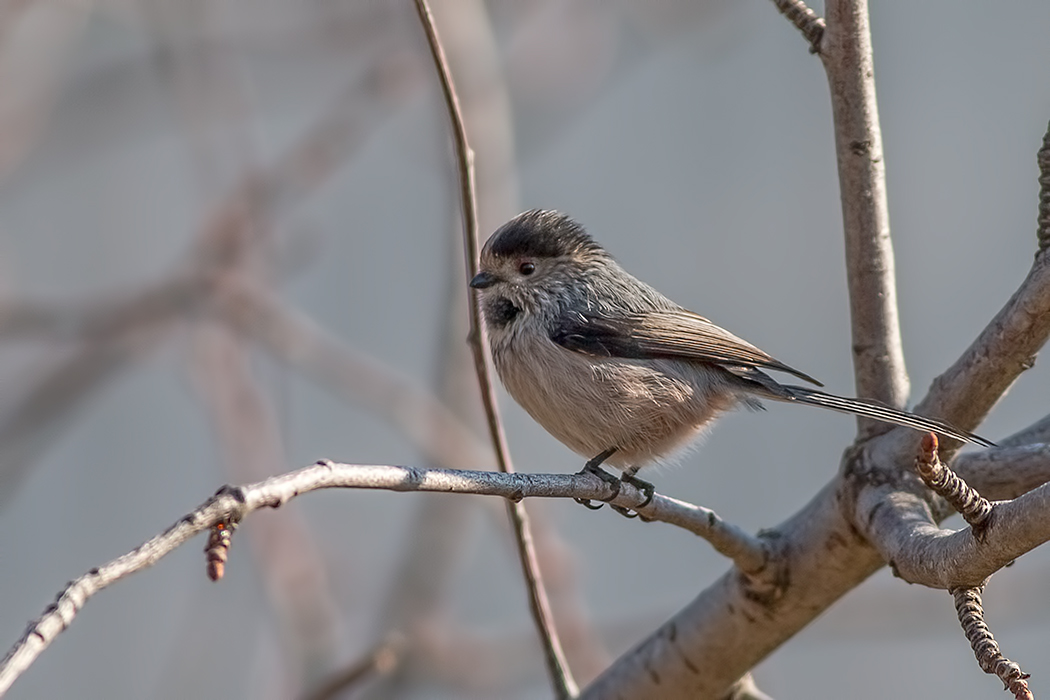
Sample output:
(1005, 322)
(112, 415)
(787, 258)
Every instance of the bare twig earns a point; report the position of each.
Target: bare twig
(1043, 158)
(557, 666)
(417, 598)
(805, 20)
(985, 648)
(291, 566)
(585, 649)
(973, 508)
(878, 357)
(232, 504)
(427, 422)
(217, 549)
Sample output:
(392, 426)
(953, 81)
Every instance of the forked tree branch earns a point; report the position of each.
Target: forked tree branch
(826, 546)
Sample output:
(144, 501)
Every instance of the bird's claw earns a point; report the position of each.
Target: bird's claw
(644, 486)
(592, 468)
(647, 489)
(588, 503)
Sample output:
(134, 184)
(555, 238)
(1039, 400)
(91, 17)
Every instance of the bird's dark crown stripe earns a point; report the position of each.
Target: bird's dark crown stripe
(541, 234)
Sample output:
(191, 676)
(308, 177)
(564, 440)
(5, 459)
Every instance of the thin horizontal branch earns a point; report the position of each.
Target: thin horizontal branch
(233, 503)
(1019, 464)
(1002, 473)
(1035, 433)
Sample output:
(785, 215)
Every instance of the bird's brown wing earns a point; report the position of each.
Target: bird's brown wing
(676, 334)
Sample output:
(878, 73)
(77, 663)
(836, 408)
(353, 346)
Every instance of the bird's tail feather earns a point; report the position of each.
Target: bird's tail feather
(873, 409)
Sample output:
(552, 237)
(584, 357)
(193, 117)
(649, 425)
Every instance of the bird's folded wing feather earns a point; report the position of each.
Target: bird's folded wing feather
(675, 334)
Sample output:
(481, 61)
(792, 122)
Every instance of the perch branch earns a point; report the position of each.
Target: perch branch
(232, 504)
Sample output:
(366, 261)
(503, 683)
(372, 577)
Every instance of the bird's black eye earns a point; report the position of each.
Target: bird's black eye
(527, 268)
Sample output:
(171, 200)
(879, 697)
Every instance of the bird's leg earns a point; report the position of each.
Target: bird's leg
(644, 486)
(594, 467)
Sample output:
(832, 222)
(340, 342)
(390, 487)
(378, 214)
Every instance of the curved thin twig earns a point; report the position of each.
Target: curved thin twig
(557, 665)
(1043, 158)
(963, 498)
(971, 616)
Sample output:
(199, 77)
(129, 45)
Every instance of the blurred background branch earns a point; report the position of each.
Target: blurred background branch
(227, 228)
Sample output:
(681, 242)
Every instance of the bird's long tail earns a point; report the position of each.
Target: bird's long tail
(873, 409)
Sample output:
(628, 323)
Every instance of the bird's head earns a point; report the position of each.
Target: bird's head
(533, 262)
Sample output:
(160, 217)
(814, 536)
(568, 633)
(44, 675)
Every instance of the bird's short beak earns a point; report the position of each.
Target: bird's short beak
(483, 280)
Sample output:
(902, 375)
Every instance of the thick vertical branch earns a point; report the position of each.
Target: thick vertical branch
(561, 676)
(878, 358)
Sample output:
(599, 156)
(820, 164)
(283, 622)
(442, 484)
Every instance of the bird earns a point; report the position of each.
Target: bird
(611, 367)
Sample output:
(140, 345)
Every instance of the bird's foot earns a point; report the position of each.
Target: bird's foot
(592, 467)
(645, 487)
(642, 485)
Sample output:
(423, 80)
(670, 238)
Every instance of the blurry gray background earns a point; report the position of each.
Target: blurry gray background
(693, 140)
